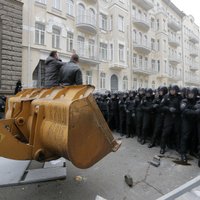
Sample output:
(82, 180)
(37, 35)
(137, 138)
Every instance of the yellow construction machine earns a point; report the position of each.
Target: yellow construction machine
(46, 124)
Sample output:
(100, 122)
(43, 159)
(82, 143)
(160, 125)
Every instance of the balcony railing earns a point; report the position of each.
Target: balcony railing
(87, 22)
(144, 69)
(142, 47)
(87, 53)
(117, 65)
(173, 41)
(194, 66)
(194, 52)
(141, 22)
(193, 38)
(175, 59)
(145, 4)
(174, 25)
(193, 79)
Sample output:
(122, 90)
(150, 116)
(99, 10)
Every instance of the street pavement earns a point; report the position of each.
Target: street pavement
(106, 178)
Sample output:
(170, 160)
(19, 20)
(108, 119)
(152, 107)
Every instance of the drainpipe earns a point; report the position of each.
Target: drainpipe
(29, 43)
(130, 46)
(183, 55)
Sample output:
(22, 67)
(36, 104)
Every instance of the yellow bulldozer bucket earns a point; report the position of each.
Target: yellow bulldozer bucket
(45, 124)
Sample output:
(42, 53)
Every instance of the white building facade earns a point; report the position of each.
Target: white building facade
(122, 44)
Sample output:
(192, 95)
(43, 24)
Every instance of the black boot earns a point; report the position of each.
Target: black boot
(162, 151)
(151, 145)
(184, 158)
(139, 139)
(142, 142)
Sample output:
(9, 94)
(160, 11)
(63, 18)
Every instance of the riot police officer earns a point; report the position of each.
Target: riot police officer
(147, 108)
(130, 116)
(159, 116)
(139, 112)
(122, 114)
(188, 121)
(170, 105)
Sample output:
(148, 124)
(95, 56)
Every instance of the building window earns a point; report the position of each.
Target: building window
(165, 45)
(103, 51)
(121, 53)
(125, 83)
(153, 44)
(134, 60)
(135, 83)
(103, 22)
(111, 51)
(158, 45)
(153, 65)
(140, 62)
(165, 66)
(88, 77)
(153, 24)
(56, 4)
(134, 36)
(146, 84)
(158, 24)
(81, 45)
(111, 23)
(91, 49)
(121, 23)
(70, 41)
(153, 85)
(102, 81)
(70, 7)
(39, 33)
(41, 1)
(158, 65)
(56, 38)
(146, 63)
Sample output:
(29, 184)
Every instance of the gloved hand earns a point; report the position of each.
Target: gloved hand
(133, 115)
(155, 106)
(172, 109)
(197, 111)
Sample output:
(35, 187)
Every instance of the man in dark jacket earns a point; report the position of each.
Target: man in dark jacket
(52, 68)
(70, 73)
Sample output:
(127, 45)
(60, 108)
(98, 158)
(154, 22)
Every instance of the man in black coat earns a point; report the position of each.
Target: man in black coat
(52, 68)
(70, 73)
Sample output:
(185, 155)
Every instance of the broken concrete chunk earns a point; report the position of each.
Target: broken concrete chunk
(128, 180)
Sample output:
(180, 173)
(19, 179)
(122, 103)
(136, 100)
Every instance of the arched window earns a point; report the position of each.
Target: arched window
(114, 83)
(91, 17)
(125, 83)
(70, 7)
(145, 40)
(140, 38)
(81, 13)
(134, 36)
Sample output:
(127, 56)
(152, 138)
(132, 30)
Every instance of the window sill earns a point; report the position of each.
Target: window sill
(70, 16)
(41, 5)
(103, 31)
(57, 11)
(40, 44)
(121, 31)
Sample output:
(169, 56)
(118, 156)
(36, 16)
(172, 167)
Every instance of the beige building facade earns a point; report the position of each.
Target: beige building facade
(122, 44)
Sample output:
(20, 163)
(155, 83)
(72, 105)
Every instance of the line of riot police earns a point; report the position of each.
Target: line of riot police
(168, 117)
